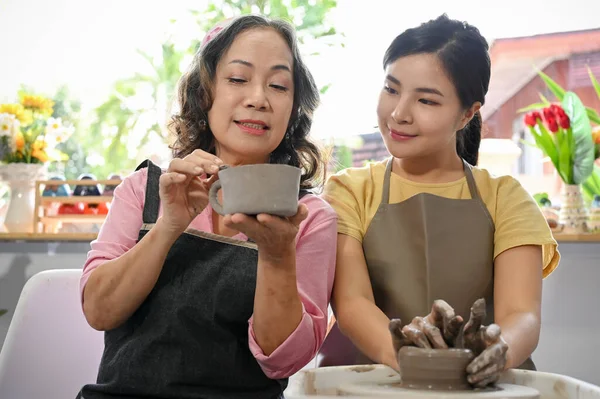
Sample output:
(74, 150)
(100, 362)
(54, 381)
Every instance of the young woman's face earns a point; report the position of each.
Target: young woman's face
(419, 111)
(253, 97)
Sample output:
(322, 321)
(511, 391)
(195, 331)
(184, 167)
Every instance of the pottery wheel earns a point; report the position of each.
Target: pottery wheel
(387, 390)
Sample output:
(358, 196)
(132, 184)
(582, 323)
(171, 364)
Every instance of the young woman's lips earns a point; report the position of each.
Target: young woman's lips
(401, 136)
(253, 127)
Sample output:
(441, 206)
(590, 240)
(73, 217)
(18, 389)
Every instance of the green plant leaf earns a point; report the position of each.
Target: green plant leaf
(554, 87)
(545, 142)
(564, 153)
(591, 186)
(544, 99)
(593, 115)
(581, 143)
(532, 107)
(594, 81)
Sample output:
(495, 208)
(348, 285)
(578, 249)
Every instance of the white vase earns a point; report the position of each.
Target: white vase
(573, 213)
(20, 178)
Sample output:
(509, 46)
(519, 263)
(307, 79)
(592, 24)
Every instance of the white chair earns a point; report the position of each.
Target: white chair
(50, 351)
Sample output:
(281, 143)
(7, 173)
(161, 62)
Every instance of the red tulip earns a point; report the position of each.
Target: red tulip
(552, 125)
(548, 114)
(530, 120)
(564, 122)
(557, 109)
(537, 115)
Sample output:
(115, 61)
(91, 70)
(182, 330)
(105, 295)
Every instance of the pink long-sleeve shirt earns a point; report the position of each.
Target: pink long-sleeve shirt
(315, 267)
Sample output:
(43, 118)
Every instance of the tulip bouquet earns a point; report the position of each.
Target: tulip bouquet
(564, 134)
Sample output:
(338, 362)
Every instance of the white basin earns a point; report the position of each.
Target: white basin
(374, 382)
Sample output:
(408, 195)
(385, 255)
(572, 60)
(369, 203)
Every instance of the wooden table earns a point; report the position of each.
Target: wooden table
(49, 237)
(83, 237)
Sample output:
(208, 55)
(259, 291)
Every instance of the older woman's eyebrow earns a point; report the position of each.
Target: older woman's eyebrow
(250, 65)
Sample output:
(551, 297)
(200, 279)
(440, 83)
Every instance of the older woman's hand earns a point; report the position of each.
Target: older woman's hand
(183, 189)
(275, 236)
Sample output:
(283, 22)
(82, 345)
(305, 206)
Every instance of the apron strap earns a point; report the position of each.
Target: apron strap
(152, 199)
(385, 194)
(475, 192)
(471, 181)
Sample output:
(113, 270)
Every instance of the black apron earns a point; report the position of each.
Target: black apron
(189, 338)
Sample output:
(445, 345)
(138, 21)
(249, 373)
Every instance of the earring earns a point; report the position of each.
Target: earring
(202, 124)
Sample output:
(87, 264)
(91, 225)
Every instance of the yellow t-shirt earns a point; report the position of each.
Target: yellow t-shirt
(355, 194)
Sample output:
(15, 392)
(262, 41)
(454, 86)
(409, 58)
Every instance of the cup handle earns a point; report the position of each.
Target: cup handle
(213, 199)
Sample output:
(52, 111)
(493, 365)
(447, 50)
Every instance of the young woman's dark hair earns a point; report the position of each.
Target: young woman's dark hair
(191, 128)
(463, 52)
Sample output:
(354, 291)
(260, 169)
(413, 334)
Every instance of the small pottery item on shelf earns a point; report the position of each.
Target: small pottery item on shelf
(83, 190)
(110, 189)
(72, 209)
(57, 190)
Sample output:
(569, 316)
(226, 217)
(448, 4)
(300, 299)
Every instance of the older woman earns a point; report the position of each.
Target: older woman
(198, 305)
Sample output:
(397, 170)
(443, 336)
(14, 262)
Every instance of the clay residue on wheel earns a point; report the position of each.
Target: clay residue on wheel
(309, 383)
(362, 369)
(561, 389)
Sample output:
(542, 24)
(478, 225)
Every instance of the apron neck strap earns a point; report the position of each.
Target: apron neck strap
(152, 198)
(471, 180)
(385, 195)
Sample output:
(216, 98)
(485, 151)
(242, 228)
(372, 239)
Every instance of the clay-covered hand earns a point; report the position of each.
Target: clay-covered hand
(488, 347)
(439, 329)
(274, 236)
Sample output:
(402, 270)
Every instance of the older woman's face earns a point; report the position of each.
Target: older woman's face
(253, 97)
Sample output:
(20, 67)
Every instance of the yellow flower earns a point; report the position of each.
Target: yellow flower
(39, 104)
(40, 154)
(39, 145)
(18, 111)
(20, 141)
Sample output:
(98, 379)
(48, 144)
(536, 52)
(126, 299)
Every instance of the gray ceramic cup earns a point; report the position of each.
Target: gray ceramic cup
(254, 189)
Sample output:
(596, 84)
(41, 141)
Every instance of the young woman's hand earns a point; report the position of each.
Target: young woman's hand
(439, 329)
(487, 345)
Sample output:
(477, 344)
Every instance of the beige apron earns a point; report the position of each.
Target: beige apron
(422, 249)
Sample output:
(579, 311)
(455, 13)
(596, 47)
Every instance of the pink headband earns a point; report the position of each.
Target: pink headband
(215, 30)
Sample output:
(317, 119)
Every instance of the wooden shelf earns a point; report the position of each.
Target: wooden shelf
(48, 226)
(84, 182)
(75, 200)
(589, 237)
(79, 237)
(73, 219)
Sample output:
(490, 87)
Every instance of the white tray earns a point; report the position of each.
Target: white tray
(325, 382)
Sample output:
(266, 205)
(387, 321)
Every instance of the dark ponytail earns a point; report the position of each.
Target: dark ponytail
(464, 54)
(468, 140)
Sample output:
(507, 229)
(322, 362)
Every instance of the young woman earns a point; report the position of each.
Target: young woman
(427, 224)
(196, 305)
